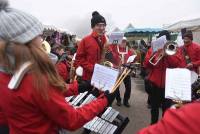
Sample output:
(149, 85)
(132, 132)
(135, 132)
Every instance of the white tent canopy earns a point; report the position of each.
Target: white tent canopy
(193, 25)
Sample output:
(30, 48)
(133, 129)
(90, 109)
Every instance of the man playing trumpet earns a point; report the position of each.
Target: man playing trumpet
(158, 65)
(187, 116)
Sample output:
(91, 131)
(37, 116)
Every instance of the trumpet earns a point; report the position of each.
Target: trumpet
(169, 49)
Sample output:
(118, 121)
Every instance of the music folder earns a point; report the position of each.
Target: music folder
(116, 37)
(178, 84)
(159, 43)
(104, 78)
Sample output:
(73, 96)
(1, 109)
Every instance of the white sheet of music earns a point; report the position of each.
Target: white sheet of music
(159, 43)
(178, 84)
(104, 78)
(131, 58)
(116, 37)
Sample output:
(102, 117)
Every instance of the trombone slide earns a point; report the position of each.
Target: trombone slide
(157, 59)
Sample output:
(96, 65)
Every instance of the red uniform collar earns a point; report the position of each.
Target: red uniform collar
(95, 35)
(102, 37)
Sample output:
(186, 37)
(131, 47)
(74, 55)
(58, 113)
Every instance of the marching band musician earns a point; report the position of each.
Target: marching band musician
(118, 60)
(36, 104)
(147, 84)
(191, 52)
(184, 120)
(156, 78)
(56, 57)
(91, 48)
(62, 64)
(185, 117)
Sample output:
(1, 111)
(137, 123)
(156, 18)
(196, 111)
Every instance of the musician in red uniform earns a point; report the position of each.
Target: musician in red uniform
(91, 47)
(118, 60)
(191, 52)
(62, 65)
(156, 77)
(185, 120)
(37, 105)
(147, 84)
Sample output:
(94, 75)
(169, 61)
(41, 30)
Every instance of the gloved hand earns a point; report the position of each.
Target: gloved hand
(126, 65)
(84, 86)
(110, 97)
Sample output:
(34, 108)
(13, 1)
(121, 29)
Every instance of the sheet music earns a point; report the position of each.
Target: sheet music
(178, 84)
(131, 58)
(159, 43)
(116, 37)
(104, 78)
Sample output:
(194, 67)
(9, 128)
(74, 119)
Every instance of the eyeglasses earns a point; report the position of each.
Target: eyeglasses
(100, 25)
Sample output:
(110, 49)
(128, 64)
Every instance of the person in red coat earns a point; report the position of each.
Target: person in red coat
(91, 48)
(117, 60)
(156, 78)
(191, 52)
(63, 70)
(62, 65)
(35, 104)
(147, 84)
(185, 120)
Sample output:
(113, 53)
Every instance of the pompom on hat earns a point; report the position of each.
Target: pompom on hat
(97, 18)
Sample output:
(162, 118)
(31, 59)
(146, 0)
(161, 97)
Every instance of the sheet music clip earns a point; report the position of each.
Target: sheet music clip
(18, 76)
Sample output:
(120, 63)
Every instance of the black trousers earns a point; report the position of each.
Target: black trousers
(127, 94)
(147, 87)
(157, 99)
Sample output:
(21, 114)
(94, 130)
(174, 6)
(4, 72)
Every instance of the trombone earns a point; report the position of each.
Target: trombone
(170, 48)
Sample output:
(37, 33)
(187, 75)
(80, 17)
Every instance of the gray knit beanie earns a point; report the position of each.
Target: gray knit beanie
(17, 26)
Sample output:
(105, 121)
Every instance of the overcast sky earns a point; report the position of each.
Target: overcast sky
(75, 15)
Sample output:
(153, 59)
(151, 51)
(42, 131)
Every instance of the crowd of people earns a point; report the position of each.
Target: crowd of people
(36, 104)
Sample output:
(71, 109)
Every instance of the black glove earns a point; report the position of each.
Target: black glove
(196, 90)
(110, 97)
(126, 65)
(95, 92)
(84, 86)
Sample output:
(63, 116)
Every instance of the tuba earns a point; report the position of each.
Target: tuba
(169, 49)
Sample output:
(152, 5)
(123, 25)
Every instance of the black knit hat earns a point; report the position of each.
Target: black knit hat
(166, 33)
(188, 34)
(183, 31)
(97, 18)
